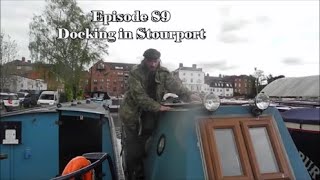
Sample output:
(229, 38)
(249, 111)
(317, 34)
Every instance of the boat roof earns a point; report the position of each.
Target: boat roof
(294, 87)
(91, 107)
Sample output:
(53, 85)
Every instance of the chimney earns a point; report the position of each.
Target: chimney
(180, 65)
(207, 74)
(194, 66)
(23, 59)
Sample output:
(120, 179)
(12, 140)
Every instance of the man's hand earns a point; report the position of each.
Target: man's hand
(195, 98)
(165, 108)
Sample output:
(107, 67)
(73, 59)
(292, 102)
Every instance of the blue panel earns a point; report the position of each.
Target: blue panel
(194, 163)
(181, 158)
(37, 156)
(107, 147)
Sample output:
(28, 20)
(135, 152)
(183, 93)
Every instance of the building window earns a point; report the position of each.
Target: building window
(191, 80)
(118, 67)
(100, 66)
(191, 74)
(198, 74)
(184, 74)
(243, 148)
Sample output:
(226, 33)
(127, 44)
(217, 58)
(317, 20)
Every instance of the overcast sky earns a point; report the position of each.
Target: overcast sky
(278, 37)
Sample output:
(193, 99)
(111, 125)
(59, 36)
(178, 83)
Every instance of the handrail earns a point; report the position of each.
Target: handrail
(100, 156)
(97, 155)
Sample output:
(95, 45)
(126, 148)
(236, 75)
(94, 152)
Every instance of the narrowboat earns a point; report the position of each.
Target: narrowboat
(298, 101)
(206, 140)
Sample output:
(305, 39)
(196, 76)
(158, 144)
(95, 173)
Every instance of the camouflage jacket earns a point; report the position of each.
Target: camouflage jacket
(136, 99)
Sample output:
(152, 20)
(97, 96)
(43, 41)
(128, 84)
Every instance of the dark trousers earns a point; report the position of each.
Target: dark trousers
(134, 144)
(133, 152)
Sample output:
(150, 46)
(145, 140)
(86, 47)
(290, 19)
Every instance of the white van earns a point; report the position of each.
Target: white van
(48, 98)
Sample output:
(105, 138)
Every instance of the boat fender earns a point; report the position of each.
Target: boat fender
(76, 164)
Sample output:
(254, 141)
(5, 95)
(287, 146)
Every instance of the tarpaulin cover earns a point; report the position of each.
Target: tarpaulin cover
(302, 115)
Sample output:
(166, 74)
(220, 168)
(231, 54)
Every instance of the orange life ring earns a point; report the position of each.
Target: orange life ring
(76, 164)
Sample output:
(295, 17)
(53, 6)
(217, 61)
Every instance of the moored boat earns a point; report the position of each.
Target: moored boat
(192, 141)
(298, 100)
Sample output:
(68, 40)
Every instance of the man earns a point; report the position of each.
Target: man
(148, 82)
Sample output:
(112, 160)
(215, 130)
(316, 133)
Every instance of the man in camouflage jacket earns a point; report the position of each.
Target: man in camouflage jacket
(148, 82)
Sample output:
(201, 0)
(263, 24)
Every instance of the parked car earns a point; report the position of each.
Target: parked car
(22, 95)
(30, 100)
(9, 101)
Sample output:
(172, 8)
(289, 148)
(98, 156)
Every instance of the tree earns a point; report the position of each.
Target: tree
(253, 90)
(69, 57)
(260, 79)
(270, 78)
(8, 52)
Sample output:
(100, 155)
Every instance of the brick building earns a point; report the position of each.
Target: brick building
(109, 77)
(243, 85)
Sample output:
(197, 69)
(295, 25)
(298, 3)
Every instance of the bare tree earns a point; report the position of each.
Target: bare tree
(8, 53)
(260, 79)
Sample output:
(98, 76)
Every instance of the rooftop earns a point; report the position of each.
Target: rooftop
(294, 87)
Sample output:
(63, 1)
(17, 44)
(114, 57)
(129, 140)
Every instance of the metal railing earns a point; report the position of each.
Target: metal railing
(99, 157)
